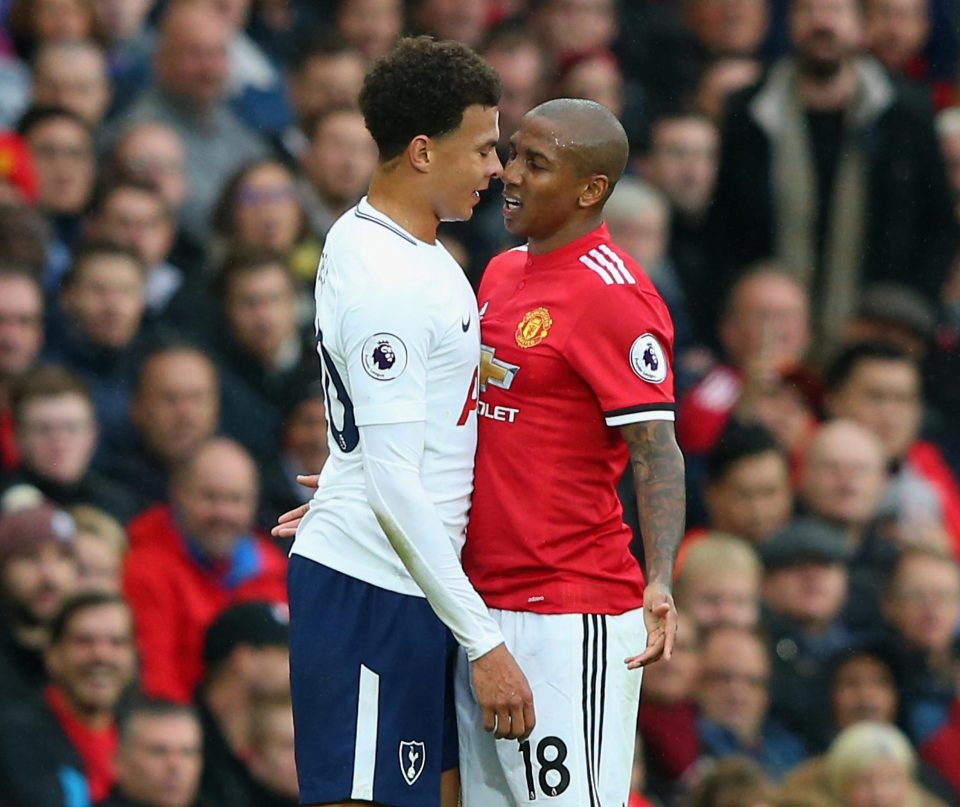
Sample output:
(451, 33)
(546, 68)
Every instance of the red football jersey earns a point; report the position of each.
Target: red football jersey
(576, 342)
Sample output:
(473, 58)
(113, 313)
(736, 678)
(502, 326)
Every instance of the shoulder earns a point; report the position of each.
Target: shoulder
(607, 279)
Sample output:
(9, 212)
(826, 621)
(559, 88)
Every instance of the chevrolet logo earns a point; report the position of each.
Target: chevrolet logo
(495, 372)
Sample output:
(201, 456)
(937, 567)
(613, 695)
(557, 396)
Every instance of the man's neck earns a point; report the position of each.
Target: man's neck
(828, 94)
(574, 230)
(392, 197)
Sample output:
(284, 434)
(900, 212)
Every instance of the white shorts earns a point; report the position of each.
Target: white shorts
(586, 701)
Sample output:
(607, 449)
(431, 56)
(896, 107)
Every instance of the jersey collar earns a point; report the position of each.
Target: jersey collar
(569, 254)
(365, 210)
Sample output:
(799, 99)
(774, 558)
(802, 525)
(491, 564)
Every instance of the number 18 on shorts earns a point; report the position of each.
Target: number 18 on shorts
(586, 700)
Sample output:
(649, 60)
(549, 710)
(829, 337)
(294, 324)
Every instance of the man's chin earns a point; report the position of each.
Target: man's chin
(820, 68)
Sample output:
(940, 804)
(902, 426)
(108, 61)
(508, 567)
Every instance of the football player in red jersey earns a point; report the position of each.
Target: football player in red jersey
(575, 380)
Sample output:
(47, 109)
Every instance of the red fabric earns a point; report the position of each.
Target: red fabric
(96, 747)
(639, 800)
(16, 166)
(546, 532)
(706, 409)
(942, 750)
(174, 600)
(669, 732)
(9, 452)
(926, 459)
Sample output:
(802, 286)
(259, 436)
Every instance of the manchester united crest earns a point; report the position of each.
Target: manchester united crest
(534, 327)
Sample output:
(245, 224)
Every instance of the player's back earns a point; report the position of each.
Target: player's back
(398, 338)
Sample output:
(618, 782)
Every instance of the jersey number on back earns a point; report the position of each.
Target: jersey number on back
(347, 435)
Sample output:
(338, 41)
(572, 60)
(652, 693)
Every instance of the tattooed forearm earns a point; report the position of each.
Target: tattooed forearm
(661, 501)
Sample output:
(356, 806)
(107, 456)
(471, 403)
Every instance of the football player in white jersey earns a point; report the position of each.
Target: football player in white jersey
(377, 592)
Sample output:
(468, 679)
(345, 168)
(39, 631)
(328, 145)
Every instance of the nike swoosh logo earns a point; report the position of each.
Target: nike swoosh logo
(465, 325)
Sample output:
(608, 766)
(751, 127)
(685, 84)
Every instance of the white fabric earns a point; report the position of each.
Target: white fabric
(378, 285)
(586, 702)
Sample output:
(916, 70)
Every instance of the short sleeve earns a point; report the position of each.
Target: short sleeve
(385, 342)
(622, 346)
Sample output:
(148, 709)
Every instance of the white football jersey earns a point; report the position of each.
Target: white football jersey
(399, 341)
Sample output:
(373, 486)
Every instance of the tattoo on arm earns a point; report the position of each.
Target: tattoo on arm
(661, 500)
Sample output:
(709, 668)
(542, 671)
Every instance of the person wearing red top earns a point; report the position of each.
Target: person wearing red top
(191, 559)
(575, 379)
(59, 751)
(764, 332)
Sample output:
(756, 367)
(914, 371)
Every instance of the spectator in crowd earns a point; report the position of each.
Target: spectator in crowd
(60, 751)
(734, 782)
(154, 152)
(449, 19)
(721, 79)
(56, 430)
(596, 77)
(879, 385)
(260, 209)
(804, 592)
(668, 715)
(189, 95)
(638, 218)
(21, 338)
(718, 581)
(863, 687)
(948, 134)
(266, 361)
(765, 333)
(894, 313)
(73, 75)
(922, 606)
(870, 758)
(747, 484)
(337, 164)
(174, 410)
(247, 662)
(61, 143)
(270, 759)
(734, 697)
(371, 26)
(38, 572)
(570, 30)
(842, 482)
(100, 545)
(160, 756)
(34, 23)
(303, 450)
(191, 559)
(798, 184)
(97, 330)
(681, 162)
(324, 73)
(942, 749)
(895, 33)
(133, 212)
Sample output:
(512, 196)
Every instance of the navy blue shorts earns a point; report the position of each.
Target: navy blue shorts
(372, 678)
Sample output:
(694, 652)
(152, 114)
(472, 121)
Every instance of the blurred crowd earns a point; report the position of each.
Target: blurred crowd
(168, 171)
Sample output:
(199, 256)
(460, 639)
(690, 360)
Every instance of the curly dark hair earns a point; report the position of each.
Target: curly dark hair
(423, 87)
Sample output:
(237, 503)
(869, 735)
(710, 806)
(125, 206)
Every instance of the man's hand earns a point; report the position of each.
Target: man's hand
(287, 523)
(660, 617)
(503, 694)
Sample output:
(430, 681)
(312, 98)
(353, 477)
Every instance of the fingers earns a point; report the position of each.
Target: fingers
(653, 652)
(296, 514)
(489, 719)
(529, 719)
(669, 633)
(504, 725)
(287, 523)
(311, 481)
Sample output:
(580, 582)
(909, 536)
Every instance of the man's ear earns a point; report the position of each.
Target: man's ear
(420, 154)
(595, 191)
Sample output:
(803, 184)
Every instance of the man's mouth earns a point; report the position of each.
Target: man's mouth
(512, 203)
